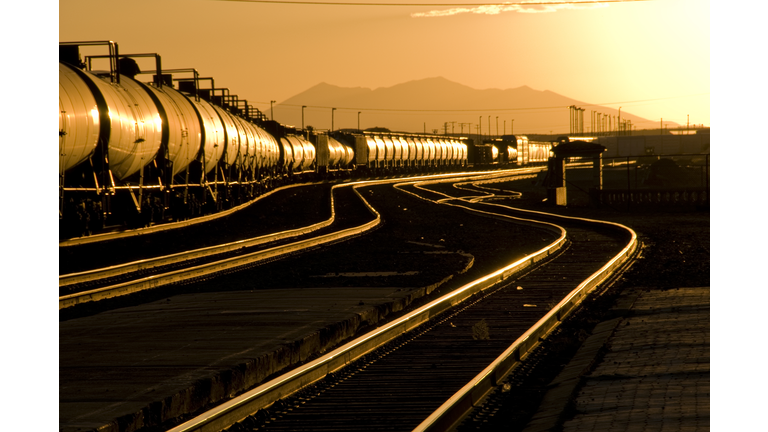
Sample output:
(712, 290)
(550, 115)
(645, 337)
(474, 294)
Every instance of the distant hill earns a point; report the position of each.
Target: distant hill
(431, 102)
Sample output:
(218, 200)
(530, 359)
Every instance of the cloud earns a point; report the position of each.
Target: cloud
(536, 6)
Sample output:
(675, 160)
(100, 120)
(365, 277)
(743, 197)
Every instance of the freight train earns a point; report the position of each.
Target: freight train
(512, 149)
(134, 153)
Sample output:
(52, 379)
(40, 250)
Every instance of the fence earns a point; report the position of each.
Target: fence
(646, 181)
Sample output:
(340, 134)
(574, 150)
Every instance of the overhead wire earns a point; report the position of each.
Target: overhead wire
(331, 3)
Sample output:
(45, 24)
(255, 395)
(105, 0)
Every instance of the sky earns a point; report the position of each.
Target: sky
(649, 57)
(658, 52)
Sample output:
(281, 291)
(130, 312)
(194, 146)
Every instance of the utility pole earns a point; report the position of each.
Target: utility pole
(272, 109)
(332, 112)
(358, 120)
(497, 126)
(302, 116)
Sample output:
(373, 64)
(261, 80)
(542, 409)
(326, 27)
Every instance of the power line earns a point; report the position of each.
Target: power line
(425, 110)
(330, 3)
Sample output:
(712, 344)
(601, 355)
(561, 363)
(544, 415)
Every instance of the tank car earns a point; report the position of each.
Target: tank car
(134, 153)
(333, 157)
(511, 150)
(385, 152)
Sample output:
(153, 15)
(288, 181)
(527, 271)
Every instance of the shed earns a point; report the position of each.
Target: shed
(566, 148)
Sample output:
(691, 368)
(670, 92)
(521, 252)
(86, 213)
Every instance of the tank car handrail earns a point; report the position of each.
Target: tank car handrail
(158, 63)
(114, 51)
(195, 77)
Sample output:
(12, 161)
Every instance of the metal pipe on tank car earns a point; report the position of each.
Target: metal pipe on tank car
(114, 67)
(195, 79)
(244, 110)
(158, 64)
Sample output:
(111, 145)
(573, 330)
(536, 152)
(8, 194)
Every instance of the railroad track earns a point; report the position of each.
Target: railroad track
(202, 263)
(75, 283)
(428, 378)
(127, 278)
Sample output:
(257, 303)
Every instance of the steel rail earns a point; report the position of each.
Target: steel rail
(180, 224)
(263, 396)
(211, 268)
(167, 226)
(472, 394)
(208, 269)
(149, 263)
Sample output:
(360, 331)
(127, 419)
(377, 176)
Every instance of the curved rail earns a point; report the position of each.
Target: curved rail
(463, 401)
(266, 394)
(167, 226)
(208, 269)
(149, 263)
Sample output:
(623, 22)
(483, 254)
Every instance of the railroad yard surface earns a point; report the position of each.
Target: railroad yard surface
(654, 322)
(104, 375)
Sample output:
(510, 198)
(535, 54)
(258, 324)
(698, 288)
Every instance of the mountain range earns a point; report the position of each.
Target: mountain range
(437, 104)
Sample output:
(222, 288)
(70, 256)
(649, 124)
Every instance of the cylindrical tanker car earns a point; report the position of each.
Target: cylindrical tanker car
(391, 152)
(132, 153)
(134, 150)
(512, 149)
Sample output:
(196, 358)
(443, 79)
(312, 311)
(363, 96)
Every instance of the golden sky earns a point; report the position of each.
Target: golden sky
(651, 58)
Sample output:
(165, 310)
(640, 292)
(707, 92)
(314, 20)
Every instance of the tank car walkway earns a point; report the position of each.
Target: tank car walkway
(646, 370)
